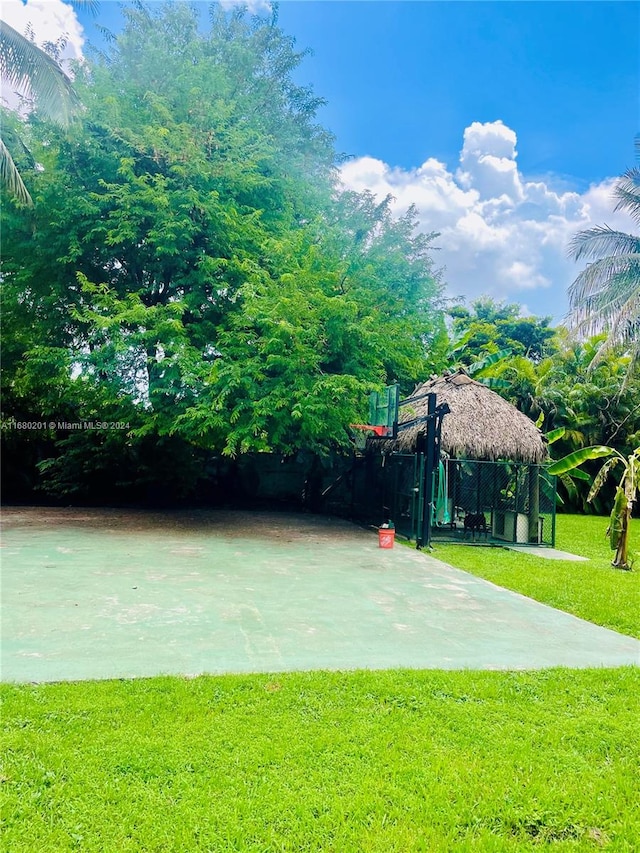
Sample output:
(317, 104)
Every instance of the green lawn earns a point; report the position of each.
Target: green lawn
(367, 761)
(593, 590)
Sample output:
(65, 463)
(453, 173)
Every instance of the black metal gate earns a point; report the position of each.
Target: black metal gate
(382, 488)
(407, 493)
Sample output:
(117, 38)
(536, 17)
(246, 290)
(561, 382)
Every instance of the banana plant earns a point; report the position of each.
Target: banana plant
(626, 492)
(567, 479)
(481, 369)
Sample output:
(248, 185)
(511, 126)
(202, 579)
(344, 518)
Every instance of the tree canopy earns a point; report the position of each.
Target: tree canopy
(489, 326)
(190, 266)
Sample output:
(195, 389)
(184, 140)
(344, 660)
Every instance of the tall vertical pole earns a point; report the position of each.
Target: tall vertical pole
(430, 454)
(554, 491)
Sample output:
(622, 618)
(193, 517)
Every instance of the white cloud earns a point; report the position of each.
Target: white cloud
(49, 20)
(488, 161)
(501, 234)
(255, 7)
(44, 21)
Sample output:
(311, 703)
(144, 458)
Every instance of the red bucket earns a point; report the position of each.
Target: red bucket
(386, 537)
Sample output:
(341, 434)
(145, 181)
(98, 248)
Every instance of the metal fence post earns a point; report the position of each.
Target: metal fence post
(430, 447)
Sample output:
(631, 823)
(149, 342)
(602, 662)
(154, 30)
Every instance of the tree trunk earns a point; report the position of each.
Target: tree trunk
(621, 559)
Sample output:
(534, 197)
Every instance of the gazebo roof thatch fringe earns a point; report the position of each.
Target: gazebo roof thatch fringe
(481, 424)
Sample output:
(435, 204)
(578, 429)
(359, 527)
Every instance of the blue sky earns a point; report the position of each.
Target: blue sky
(504, 122)
(404, 78)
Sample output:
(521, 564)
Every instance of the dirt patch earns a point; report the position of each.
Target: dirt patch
(275, 526)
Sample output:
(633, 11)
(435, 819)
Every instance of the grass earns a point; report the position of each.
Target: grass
(363, 762)
(593, 590)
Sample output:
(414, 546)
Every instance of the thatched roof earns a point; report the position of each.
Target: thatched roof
(481, 424)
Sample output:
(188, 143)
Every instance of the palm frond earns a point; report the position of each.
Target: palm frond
(602, 240)
(627, 193)
(24, 65)
(617, 277)
(10, 177)
(92, 6)
(615, 312)
(618, 325)
(621, 328)
(625, 321)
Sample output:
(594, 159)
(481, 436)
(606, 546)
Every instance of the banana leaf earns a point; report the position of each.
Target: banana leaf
(554, 434)
(601, 477)
(459, 344)
(570, 486)
(487, 361)
(493, 382)
(578, 457)
(581, 475)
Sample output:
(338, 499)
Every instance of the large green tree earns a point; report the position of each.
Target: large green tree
(487, 327)
(189, 264)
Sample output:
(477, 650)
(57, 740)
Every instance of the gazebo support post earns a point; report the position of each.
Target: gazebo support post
(534, 503)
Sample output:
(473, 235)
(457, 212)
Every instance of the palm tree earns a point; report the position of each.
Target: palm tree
(605, 297)
(25, 66)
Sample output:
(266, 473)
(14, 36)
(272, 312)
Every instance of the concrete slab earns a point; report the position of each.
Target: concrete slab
(105, 594)
(548, 553)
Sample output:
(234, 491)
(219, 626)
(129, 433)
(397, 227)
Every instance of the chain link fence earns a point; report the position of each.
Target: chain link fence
(499, 502)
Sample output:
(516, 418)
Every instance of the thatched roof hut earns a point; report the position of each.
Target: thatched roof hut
(481, 424)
